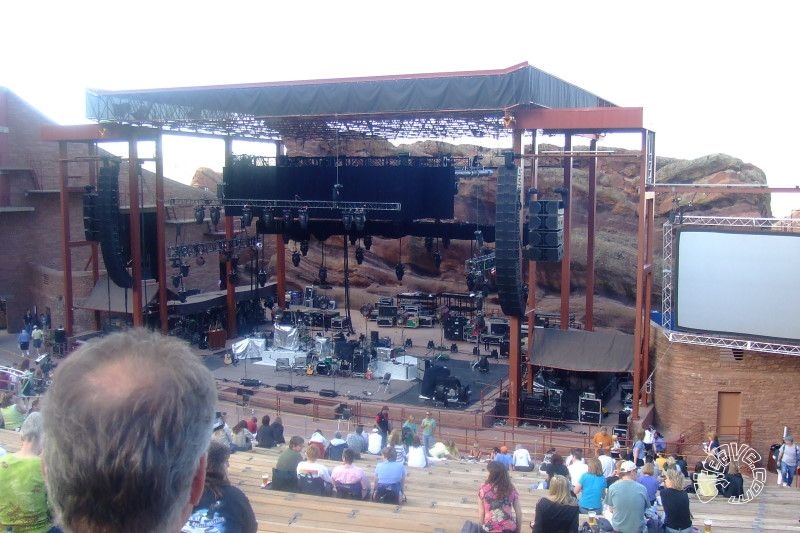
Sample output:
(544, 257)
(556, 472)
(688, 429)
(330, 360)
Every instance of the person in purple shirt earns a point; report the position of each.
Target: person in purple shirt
(648, 479)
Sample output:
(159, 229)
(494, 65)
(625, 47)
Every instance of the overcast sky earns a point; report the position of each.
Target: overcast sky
(712, 76)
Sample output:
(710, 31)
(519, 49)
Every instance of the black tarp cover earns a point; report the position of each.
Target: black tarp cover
(579, 350)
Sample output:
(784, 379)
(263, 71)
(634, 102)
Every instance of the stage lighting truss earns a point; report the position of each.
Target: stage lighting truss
(202, 248)
(310, 205)
(482, 263)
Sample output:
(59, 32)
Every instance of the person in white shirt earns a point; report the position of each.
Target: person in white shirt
(606, 462)
(374, 442)
(521, 460)
(578, 467)
(311, 468)
(317, 436)
(649, 438)
(416, 456)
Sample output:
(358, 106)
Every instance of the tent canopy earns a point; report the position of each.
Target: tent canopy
(585, 351)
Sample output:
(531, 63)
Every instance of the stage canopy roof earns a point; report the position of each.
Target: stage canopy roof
(583, 351)
(441, 105)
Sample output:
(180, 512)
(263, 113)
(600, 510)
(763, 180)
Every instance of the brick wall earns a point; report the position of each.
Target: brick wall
(688, 379)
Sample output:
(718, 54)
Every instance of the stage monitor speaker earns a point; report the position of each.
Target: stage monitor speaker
(501, 407)
(508, 242)
(328, 393)
(250, 382)
(299, 400)
(60, 336)
(283, 387)
(373, 337)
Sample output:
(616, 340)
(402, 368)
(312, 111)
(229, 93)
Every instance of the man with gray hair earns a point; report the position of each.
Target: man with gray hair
(128, 421)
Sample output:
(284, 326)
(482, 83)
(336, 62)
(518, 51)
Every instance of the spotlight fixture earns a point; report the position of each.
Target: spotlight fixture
(359, 254)
(287, 217)
(267, 216)
(437, 259)
(296, 258)
(262, 277)
(429, 244)
(304, 248)
(302, 218)
(247, 216)
(323, 275)
(347, 221)
(259, 245)
(478, 239)
(199, 214)
(215, 213)
(360, 221)
(176, 280)
(184, 270)
(367, 241)
(399, 271)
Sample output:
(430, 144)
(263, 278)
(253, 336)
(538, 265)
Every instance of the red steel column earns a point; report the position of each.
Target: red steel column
(66, 252)
(95, 256)
(231, 288)
(161, 222)
(136, 230)
(565, 262)
(531, 304)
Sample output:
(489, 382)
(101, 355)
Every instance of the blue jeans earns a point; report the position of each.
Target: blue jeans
(427, 442)
(787, 473)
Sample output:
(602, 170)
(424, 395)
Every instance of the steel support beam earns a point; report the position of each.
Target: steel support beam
(136, 230)
(581, 120)
(566, 275)
(161, 221)
(66, 252)
(230, 287)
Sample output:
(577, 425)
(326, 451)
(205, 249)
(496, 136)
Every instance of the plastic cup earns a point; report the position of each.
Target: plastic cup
(592, 518)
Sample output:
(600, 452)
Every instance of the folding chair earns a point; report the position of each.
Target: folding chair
(351, 491)
(385, 382)
(282, 363)
(299, 364)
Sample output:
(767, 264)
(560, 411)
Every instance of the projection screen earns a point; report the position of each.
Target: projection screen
(738, 283)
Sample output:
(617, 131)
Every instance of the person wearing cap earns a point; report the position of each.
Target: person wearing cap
(219, 434)
(503, 457)
(627, 500)
(428, 426)
(374, 441)
(788, 457)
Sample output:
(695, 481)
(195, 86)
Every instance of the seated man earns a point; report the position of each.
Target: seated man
(350, 476)
(503, 457)
(337, 445)
(144, 467)
(284, 475)
(521, 459)
(389, 477)
(602, 440)
(356, 442)
(310, 470)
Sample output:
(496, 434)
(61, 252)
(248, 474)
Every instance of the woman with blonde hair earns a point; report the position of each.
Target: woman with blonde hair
(396, 442)
(499, 508)
(591, 487)
(557, 512)
(675, 500)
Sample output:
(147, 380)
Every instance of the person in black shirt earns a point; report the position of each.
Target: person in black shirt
(675, 500)
(556, 467)
(382, 421)
(558, 511)
(277, 431)
(222, 506)
(264, 434)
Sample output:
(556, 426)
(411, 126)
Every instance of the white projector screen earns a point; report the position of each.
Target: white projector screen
(738, 283)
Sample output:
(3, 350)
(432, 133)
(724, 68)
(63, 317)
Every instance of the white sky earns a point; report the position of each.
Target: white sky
(712, 76)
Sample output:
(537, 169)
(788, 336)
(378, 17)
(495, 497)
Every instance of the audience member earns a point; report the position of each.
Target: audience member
(336, 447)
(521, 459)
(499, 508)
(502, 456)
(264, 436)
(137, 452)
(409, 430)
(444, 450)
(311, 469)
(602, 440)
(222, 506)
(735, 483)
(23, 499)
(705, 482)
(627, 501)
(219, 434)
(356, 442)
(606, 462)
(389, 474)
(428, 430)
(591, 487)
(558, 511)
(242, 439)
(276, 429)
(13, 415)
(374, 442)
(788, 459)
(475, 452)
(349, 474)
(616, 448)
(290, 457)
(649, 481)
(252, 425)
(24, 339)
(712, 443)
(649, 439)
(639, 449)
(416, 457)
(556, 467)
(578, 467)
(396, 442)
(675, 501)
(383, 425)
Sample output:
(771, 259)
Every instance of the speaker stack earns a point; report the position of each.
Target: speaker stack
(546, 230)
(90, 230)
(107, 210)
(508, 242)
(453, 327)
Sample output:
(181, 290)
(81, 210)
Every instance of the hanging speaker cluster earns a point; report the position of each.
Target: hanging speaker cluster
(90, 230)
(107, 211)
(508, 252)
(546, 230)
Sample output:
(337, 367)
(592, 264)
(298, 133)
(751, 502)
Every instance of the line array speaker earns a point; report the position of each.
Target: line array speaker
(508, 243)
(90, 230)
(107, 209)
(546, 230)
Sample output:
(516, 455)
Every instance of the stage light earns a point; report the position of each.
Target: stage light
(437, 259)
(259, 245)
(446, 242)
(323, 275)
(399, 271)
(247, 216)
(175, 262)
(359, 255)
(287, 217)
(267, 216)
(199, 214)
(302, 218)
(353, 238)
(215, 213)
(429, 244)
(200, 261)
(304, 248)
(360, 221)
(478, 239)
(296, 258)
(347, 221)
(184, 270)
(367, 241)
(262, 277)
(176, 281)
